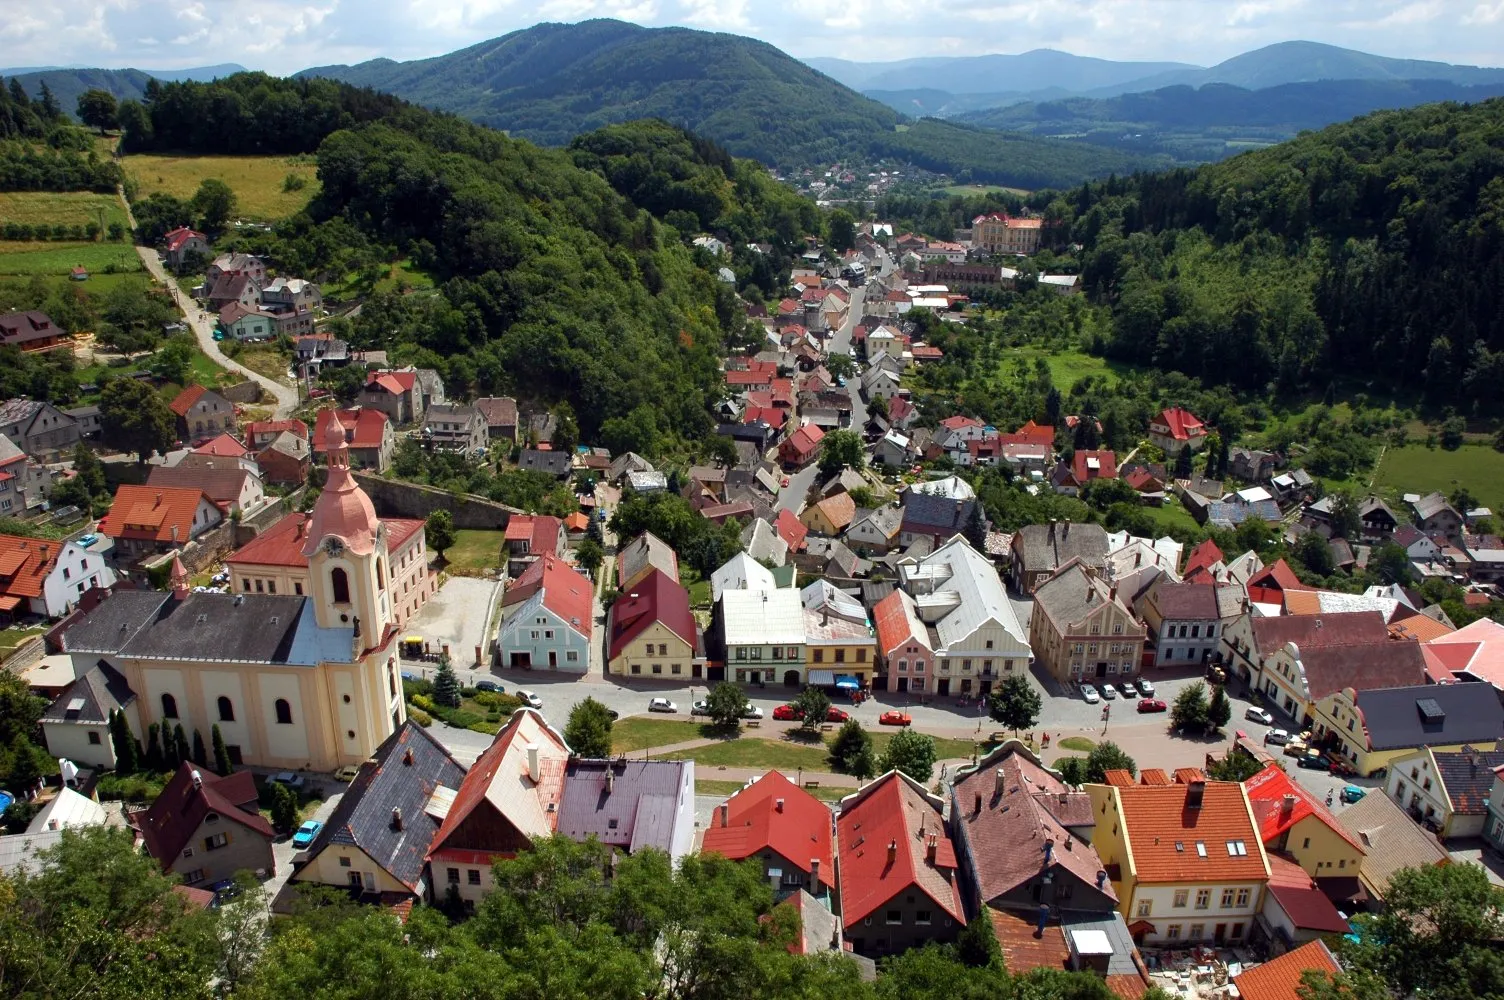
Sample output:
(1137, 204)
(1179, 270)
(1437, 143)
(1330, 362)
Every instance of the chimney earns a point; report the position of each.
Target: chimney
(52, 824)
(407, 757)
(1044, 918)
(1101, 878)
(998, 784)
(1195, 792)
(396, 818)
(931, 848)
(814, 873)
(978, 807)
(1286, 807)
(196, 778)
(1049, 850)
(892, 851)
(610, 780)
(725, 812)
(778, 805)
(533, 771)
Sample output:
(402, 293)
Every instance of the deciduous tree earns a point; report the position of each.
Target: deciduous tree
(588, 731)
(912, 753)
(1015, 703)
(135, 419)
(815, 706)
(839, 450)
(98, 109)
(439, 531)
(1189, 713)
(726, 703)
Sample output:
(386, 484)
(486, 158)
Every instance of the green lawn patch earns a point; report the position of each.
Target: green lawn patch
(1418, 469)
(971, 190)
(639, 733)
(259, 182)
(726, 789)
(1076, 743)
(61, 208)
(13, 637)
(1171, 516)
(1069, 367)
(61, 258)
(752, 751)
(475, 552)
(945, 749)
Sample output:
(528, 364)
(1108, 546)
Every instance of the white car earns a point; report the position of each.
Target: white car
(662, 705)
(1090, 694)
(1277, 737)
(530, 699)
(1109, 692)
(1256, 714)
(1145, 688)
(700, 708)
(752, 713)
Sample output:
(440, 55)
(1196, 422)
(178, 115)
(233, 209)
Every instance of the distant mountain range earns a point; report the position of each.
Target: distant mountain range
(1039, 70)
(68, 82)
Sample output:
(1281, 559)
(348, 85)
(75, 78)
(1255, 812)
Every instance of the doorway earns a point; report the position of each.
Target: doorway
(1220, 934)
(553, 659)
(942, 686)
(903, 684)
(523, 660)
(1101, 670)
(791, 678)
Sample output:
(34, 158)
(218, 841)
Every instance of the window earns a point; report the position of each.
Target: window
(1307, 843)
(1173, 932)
(657, 668)
(454, 876)
(187, 852)
(840, 656)
(741, 654)
(676, 669)
(1181, 896)
(339, 583)
(548, 633)
(1198, 931)
(1237, 849)
(636, 668)
(819, 656)
(169, 707)
(922, 917)
(226, 710)
(1242, 897)
(1145, 906)
(1237, 930)
(1117, 629)
(94, 739)
(572, 656)
(473, 876)
(197, 875)
(284, 712)
(1203, 899)
(895, 917)
(1227, 895)
(344, 862)
(271, 586)
(989, 643)
(258, 586)
(245, 585)
(215, 841)
(297, 588)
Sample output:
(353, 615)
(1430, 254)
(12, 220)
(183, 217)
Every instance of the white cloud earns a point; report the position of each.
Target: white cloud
(283, 36)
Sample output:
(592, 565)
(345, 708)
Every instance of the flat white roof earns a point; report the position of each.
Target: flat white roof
(1091, 942)
(763, 617)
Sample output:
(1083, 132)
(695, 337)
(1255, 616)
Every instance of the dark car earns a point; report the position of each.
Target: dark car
(488, 686)
(1314, 761)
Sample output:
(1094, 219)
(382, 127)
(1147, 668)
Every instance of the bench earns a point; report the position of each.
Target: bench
(753, 723)
(826, 727)
(811, 784)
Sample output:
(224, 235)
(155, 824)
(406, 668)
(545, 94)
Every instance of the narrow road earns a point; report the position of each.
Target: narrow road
(202, 325)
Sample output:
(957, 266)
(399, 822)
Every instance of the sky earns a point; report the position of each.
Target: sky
(283, 36)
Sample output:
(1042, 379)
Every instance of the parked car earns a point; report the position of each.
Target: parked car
(1296, 747)
(1277, 737)
(1352, 793)
(1109, 692)
(1313, 760)
(752, 713)
(699, 708)
(408, 675)
(293, 781)
(347, 773)
(224, 891)
(489, 686)
(529, 699)
(1128, 690)
(1256, 714)
(788, 713)
(893, 717)
(1152, 705)
(662, 705)
(1145, 688)
(834, 714)
(1090, 694)
(87, 540)
(304, 837)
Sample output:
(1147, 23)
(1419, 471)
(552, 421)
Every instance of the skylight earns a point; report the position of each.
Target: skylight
(1237, 849)
(1201, 848)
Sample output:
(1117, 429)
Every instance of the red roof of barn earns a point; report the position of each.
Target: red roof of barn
(224, 446)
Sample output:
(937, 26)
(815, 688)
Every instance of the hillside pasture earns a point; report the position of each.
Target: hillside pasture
(257, 181)
(1418, 469)
(60, 258)
(60, 208)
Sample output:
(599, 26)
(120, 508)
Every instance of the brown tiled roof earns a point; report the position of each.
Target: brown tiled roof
(1364, 666)
(178, 811)
(1310, 631)
(222, 485)
(1468, 776)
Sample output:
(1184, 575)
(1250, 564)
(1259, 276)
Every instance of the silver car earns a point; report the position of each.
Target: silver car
(1145, 688)
(1090, 694)
(1109, 692)
(529, 699)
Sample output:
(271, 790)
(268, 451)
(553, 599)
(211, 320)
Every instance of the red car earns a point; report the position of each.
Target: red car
(837, 714)
(1152, 705)
(788, 713)
(894, 717)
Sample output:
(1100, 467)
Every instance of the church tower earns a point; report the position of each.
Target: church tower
(348, 565)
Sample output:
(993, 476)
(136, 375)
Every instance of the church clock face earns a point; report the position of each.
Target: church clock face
(334, 547)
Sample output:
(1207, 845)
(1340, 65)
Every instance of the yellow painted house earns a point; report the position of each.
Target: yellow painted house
(830, 516)
(1374, 728)
(1293, 821)
(1185, 860)
(653, 632)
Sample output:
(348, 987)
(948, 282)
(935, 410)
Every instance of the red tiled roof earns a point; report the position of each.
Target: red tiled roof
(275, 427)
(1277, 980)
(364, 427)
(1268, 585)
(1311, 631)
(1182, 423)
(25, 563)
(770, 415)
(1477, 648)
(395, 383)
(224, 446)
(1203, 556)
(839, 509)
(177, 237)
(180, 809)
(775, 814)
(959, 423)
(151, 512)
(657, 597)
(806, 438)
(1156, 818)
(1266, 796)
(184, 400)
(791, 529)
(567, 594)
(1118, 777)
(886, 836)
(896, 623)
(576, 522)
(1107, 466)
(1031, 433)
(1154, 776)
(1297, 894)
(279, 545)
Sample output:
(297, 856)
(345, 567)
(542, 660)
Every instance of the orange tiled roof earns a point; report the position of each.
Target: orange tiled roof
(893, 818)
(25, 563)
(184, 400)
(1157, 818)
(774, 813)
(1420, 628)
(151, 512)
(1278, 979)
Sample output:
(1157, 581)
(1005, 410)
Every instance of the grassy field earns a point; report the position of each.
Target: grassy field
(945, 749)
(1171, 515)
(1069, 367)
(639, 733)
(265, 360)
(55, 208)
(969, 190)
(726, 789)
(753, 751)
(474, 552)
(12, 637)
(1418, 469)
(60, 258)
(1076, 743)
(256, 180)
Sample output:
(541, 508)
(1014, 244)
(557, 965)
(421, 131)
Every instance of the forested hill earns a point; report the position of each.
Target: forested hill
(555, 287)
(1370, 251)
(552, 82)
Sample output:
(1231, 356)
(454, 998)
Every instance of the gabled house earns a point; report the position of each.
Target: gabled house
(232, 289)
(77, 723)
(935, 517)
(368, 436)
(202, 414)
(1038, 550)
(1081, 631)
(830, 516)
(1085, 468)
(1185, 859)
(1175, 429)
(1392, 839)
(237, 263)
(204, 828)
(1374, 727)
(1184, 622)
(551, 627)
(893, 449)
(551, 463)
(788, 830)
(260, 433)
(1294, 822)
(147, 521)
(509, 796)
(1251, 465)
(740, 572)
(898, 881)
(641, 556)
(31, 331)
(791, 529)
(1446, 790)
(455, 427)
(762, 542)
(1435, 516)
(801, 447)
(232, 488)
(180, 242)
(246, 323)
(24, 482)
(400, 394)
(761, 634)
(1281, 978)
(651, 630)
(876, 531)
(38, 428)
(286, 459)
(1311, 662)
(500, 415)
(47, 578)
(629, 805)
(377, 840)
(1296, 910)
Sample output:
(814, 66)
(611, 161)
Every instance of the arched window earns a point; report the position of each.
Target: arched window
(169, 707)
(284, 712)
(226, 710)
(380, 575)
(340, 584)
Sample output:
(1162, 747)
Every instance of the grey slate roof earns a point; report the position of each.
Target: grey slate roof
(555, 463)
(388, 781)
(1468, 777)
(1049, 546)
(638, 812)
(933, 514)
(113, 623)
(101, 689)
(256, 627)
(1468, 713)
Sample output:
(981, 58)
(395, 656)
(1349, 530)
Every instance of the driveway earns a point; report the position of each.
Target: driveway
(202, 325)
(791, 497)
(457, 615)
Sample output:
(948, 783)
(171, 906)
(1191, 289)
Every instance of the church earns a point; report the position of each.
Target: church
(293, 681)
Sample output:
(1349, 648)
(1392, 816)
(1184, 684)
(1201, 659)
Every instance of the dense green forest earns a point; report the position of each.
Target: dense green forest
(553, 285)
(552, 82)
(41, 151)
(1208, 123)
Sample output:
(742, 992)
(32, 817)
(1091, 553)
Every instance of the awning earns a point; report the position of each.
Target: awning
(413, 638)
(822, 678)
(847, 681)
(9, 602)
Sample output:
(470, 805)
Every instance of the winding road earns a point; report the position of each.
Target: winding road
(202, 325)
